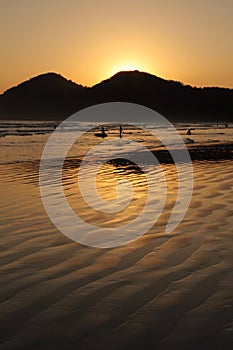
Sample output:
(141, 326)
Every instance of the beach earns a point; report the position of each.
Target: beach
(162, 291)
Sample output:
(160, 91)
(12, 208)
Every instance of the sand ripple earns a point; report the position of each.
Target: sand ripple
(159, 292)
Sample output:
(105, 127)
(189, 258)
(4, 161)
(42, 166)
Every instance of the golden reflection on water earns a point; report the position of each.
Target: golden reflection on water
(106, 183)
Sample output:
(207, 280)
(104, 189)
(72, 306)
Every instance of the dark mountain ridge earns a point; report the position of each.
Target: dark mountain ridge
(50, 96)
(47, 96)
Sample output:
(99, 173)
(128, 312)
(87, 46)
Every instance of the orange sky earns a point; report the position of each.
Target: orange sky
(88, 41)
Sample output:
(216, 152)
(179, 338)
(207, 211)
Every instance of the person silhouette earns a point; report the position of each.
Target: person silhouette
(120, 129)
(102, 134)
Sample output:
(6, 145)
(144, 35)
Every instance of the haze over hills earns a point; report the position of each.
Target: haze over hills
(50, 96)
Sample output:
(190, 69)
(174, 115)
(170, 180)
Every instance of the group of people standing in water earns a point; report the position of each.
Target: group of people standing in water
(103, 133)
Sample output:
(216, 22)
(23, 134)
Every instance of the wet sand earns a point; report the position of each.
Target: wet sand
(208, 151)
(163, 291)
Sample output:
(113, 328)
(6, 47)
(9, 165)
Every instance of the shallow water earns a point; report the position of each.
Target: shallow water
(161, 291)
(164, 290)
(24, 140)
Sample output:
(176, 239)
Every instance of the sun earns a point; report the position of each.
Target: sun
(126, 67)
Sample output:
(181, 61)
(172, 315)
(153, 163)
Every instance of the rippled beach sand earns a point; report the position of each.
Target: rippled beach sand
(162, 291)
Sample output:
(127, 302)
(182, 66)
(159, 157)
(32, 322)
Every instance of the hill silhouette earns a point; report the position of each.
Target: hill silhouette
(47, 96)
(50, 96)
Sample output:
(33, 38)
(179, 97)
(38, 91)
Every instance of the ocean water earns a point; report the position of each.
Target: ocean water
(106, 193)
(146, 291)
(25, 140)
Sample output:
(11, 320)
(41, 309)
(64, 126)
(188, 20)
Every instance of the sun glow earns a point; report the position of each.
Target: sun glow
(126, 67)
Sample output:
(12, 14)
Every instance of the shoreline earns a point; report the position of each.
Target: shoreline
(197, 152)
(200, 152)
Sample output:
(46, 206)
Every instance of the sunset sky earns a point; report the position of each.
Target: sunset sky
(88, 41)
